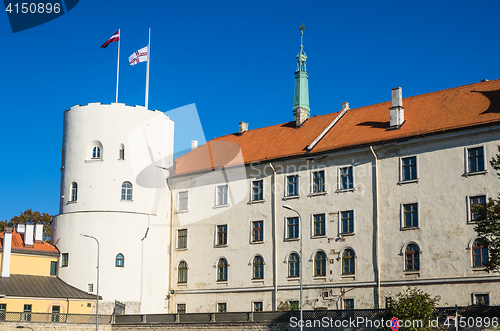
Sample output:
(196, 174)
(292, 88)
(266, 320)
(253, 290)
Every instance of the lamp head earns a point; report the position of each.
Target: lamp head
(287, 207)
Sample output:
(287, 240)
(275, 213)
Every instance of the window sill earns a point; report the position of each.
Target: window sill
(220, 246)
(181, 211)
(181, 249)
(412, 272)
(71, 202)
(121, 200)
(182, 285)
(402, 182)
(221, 206)
(321, 236)
(348, 277)
(347, 234)
(479, 269)
(259, 281)
(251, 202)
(257, 242)
(319, 279)
(93, 161)
(222, 283)
(292, 239)
(346, 190)
(293, 279)
(410, 228)
(482, 172)
(315, 194)
(290, 197)
(121, 160)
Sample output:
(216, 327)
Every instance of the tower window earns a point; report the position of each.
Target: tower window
(121, 152)
(127, 191)
(120, 260)
(74, 191)
(96, 152)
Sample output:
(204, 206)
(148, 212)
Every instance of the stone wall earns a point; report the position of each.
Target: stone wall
(12, 326)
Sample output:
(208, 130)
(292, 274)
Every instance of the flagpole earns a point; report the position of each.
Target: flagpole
(118, 65)
(147, 70)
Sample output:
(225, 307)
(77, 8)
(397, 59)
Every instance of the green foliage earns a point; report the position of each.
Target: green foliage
(413, 305)
(488, 223)
(31, 217)
(288, 306)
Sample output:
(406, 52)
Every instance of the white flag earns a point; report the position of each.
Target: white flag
(138, 56)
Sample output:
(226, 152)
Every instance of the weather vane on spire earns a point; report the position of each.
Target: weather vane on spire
(301, 56)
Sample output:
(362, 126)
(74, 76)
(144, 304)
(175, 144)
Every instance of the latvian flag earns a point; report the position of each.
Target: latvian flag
(138, 56)
(113, 38)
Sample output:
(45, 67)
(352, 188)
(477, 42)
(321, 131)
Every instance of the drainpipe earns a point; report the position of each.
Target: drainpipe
(275, 241)
(377, 229)
(170, 255)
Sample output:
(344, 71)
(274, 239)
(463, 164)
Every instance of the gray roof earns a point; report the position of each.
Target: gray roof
(40, 287)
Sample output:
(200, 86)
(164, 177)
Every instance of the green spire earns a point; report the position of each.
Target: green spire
(301, 97)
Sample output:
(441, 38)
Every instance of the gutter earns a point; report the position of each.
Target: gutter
(377, 229)
(275, 241)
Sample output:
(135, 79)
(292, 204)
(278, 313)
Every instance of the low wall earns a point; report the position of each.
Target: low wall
(12, 326)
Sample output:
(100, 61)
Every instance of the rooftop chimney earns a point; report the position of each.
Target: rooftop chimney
(243, 128)
(194, 144)
(397, 112)
(38, 232)
(20, 228)
(28, 236)
(7, 248)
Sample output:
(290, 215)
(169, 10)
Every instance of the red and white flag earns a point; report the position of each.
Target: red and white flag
(113, 38)
(138, 56)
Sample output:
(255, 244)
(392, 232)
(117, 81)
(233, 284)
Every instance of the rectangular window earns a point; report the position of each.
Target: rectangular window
(55, 313)
(482, 299)
(91, 288)
(348, 304)
(292, 224)
(409, 168)
(222, 195)
(319, 225)
(65, 259)
(3, 309)
(292, 185)
(475, 200)
(257, 190)
(222, 235)
(346, 178)
(257, 231)
(182, 238)
(27, 313)
(183, 201)
(318, 181)
(181, 308)
(258, 306)
(475, 159)
(347, 221)
(221, 307)
(53, 268)
(410, 214)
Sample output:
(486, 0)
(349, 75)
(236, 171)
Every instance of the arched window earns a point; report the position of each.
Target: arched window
(96, 152)
(320, 264)
(412, 258)
(120, 260)
(121, 153)
(222, 270)
(74, 191)
(293, 265)
(258, 267)
(348, 262)
(479, 253)
(182, 272)
(127, 191)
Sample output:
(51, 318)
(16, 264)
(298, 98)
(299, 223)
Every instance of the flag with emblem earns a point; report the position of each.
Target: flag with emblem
(138, 56)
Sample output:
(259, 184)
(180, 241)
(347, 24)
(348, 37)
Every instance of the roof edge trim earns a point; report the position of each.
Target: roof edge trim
(329, 127)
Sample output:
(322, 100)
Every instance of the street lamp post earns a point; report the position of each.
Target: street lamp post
(300, 261)
(97, 296)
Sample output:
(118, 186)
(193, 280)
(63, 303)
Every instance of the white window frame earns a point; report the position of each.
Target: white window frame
(339, 179)
(402, 216)
(251, 200)
(469, 211)
(74, 192)
(286, 229)
(311, 190)
(252, 242)
(253, 305)
(216, 237)
(466, 159)
(126, 190)
(401, 177)
(218, 306)
(403, 254)
(474, 299)
(340, 223)
(179, 210)
(313, 227)
(177, 239)
(286, 196)
(217, 202)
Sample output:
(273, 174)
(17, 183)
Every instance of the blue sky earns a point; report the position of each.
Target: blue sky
(235, 60)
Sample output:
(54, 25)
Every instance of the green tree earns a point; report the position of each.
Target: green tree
(288, 306)
(488, 223)
(413, 305)
(31, 217)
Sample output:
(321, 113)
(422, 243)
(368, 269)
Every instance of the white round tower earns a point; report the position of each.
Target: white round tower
(113, 187)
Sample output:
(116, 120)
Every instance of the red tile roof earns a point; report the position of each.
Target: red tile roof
(38, 247)
(456, 108)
